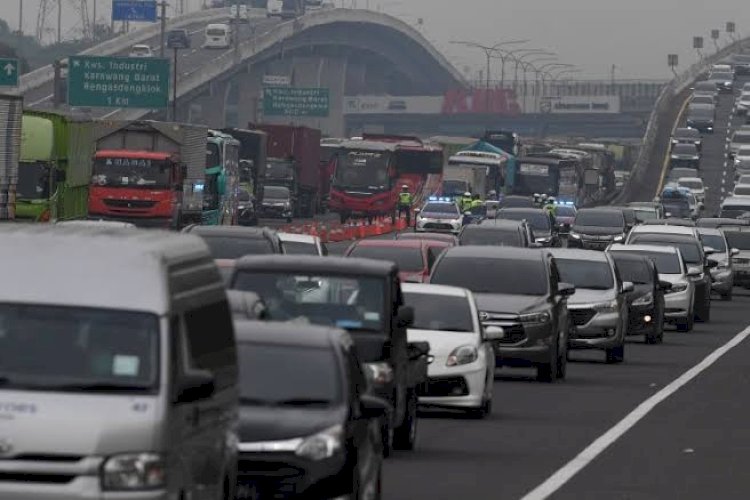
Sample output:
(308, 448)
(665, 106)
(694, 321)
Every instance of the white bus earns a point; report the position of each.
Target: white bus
(218, 36)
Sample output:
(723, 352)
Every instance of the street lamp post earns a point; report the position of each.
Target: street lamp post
(522, 53)
(488, 51)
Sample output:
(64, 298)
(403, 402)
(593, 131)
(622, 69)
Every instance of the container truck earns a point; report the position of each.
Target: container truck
(252, 154)
(54, 173)
(294, 162)
(148, 173)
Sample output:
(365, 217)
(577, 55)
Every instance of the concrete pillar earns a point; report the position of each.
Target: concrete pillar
(210, 108)
(249, 104)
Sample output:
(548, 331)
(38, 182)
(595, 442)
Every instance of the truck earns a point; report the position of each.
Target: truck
(54, 171)
(475, 172)
(148, 173)
(294, 162)
(507, 140)
(222, 177)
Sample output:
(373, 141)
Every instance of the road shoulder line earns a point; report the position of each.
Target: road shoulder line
(597, 447)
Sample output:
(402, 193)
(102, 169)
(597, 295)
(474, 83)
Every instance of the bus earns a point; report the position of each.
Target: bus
(368, 172)
(542, 173)
(222, 182)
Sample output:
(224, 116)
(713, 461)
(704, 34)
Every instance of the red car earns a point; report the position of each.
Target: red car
(414, 258)
(449, 239)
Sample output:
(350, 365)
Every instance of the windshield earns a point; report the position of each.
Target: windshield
(216, 32)
(233, 247)
(684, 149)
(454, 188)
(666, 263)
(741, 138)
(299, 248)
(690, 251)
(487, 275)
(213, 155)
(687, 133)
(742, 191)
(362, 169)
(644, 214)
(635, 271)
(275, 193)
(738, 240)
(714, 241)
(586, 274)
(722, 76)
(407, 259)
(267, 380)
(131, 172)
(78, 349)
(600, 218)
(441, 208)
(702, 99)
(696, 184)
(33, 181)
(538, 220)
(703, 113)
(705, 86)
(565, 211)
(440, 312)
(350, 302)
(278, 169)
(490, 237)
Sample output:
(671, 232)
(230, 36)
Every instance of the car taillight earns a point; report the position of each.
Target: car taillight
(45, 216)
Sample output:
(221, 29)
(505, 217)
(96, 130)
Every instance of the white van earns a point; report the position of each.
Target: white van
(275, 8)
(734, 207)
(118, 365)
(218, 36)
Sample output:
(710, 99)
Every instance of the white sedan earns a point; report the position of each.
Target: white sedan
(462, 371)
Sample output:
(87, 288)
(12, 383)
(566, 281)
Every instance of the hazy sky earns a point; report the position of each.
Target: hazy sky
(634, 35)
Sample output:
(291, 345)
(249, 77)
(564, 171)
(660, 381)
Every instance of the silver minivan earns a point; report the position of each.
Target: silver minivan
(118, 369)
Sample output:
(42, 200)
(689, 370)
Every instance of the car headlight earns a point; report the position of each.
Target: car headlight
(646, 300)
(607, 307)
(322, 445)
(619, 237)
(380, 373)
(677, 287)
(696, 142)
(723, 265)
(540, 317)
(462, 355)
(543, 239)
(575, 236)
(133, 471)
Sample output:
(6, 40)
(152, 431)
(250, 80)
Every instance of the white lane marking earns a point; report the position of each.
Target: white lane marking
(723, 181)
(111, 113)
(42, 100)
(566, 473)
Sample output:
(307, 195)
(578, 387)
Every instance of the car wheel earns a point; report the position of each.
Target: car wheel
(562, 363)
(547, 372)
(405, 436)
(727, 296)
(483, 410)
(615, 354)
(386, 435)
(702, 313)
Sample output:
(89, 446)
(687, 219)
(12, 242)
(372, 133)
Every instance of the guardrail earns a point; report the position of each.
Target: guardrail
(663, 117)
(45, 74)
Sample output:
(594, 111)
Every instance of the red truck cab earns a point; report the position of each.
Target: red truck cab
(141, 187)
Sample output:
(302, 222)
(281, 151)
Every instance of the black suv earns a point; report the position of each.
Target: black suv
(497, 232)
(362, 296)
(519, 290)
(312, 429)
(540, 220)
(597, 228)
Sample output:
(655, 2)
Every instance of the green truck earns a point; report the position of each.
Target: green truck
(55, 166)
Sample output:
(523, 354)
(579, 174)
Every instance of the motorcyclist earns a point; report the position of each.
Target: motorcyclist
(405, 200)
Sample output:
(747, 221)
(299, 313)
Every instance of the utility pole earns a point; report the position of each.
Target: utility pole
(20, 17)
(93, 25)
(163, 32)
(59, 21)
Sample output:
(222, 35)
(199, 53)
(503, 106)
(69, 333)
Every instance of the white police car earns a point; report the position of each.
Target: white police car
(439, 215)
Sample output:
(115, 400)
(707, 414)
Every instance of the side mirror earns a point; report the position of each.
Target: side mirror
(468, 212)
(668, 215)
(405, 316)
(494, 333)
(417, 210)
(628, 287)
(418, 349)
(694, 272)
(709, 250)
(665, 286)
(711, 264)
(565, 289)
(734, 252)
(195, 385)
(373, 407)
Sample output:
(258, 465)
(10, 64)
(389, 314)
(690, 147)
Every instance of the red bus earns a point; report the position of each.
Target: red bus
(367, 174)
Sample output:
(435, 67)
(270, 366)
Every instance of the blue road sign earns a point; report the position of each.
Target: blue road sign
(134, 10)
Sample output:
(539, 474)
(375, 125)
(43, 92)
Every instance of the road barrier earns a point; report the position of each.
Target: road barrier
(351, 230)
(646, 173)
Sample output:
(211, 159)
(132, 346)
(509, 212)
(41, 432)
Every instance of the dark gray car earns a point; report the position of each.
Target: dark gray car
(518, 289)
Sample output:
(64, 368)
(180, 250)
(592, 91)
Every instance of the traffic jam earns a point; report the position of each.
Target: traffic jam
(179, 321)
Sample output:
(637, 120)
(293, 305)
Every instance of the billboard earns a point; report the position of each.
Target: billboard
(377, 105)
(134, 10)
(580, 104)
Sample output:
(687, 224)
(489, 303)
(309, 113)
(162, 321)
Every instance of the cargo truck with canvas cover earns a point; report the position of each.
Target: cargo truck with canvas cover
(55, 169)
(148, 173)
(477, 172)
(222, 180)
(542, 174)
(368, 174)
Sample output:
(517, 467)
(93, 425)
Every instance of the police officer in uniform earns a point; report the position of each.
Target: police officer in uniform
(476, 203)
(404, 203)
(466, 202)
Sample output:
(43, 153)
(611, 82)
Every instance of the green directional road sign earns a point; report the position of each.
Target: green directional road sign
(289, 101)
(118, 82)
(8, 72)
